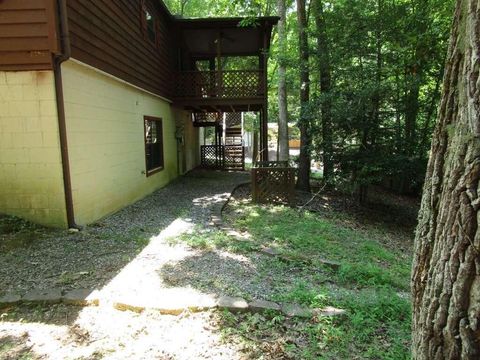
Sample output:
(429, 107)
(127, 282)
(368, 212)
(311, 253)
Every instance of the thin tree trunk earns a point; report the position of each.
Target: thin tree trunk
(430, 113)
(282, 86)
(323, 55)
(446, 268)
(303, 181)
(376, 98)
(415, 77)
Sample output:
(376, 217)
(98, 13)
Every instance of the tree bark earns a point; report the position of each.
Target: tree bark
(446, 268)
(324, 68)
(282, 85)
(303, 181)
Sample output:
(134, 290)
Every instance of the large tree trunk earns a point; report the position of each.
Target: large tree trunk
(282, 85)
(323, 55)
(303, 181)
(446, 269)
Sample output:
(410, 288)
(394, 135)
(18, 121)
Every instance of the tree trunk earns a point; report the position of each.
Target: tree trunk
(446, 268)
(282, 86)
(415, 76)
(303, 181)
(323, 55)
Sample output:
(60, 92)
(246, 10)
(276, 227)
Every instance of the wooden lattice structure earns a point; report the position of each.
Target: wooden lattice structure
(273, 183)
(233, 119)
(234, 157)
(219, 84)
(212, 156)
(222, 157)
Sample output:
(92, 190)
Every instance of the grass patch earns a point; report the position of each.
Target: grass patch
(377, 324)
(214, 239)
(365, 260)
(367, 285)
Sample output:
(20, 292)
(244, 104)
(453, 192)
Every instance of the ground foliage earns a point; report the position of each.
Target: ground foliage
(372, 282)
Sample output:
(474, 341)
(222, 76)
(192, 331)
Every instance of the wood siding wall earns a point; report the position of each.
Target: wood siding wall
(27, 34)
(108, 35)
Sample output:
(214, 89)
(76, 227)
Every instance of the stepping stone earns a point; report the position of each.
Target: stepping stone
(170, 310)
(233, 304)
(81, 297)
(270, 251)
(263, 305)
(294, 310)
(216, 220)
(50, 296)
(202, 304)
(9, 299)
(122, 306)
(329, 311)
(331, 264)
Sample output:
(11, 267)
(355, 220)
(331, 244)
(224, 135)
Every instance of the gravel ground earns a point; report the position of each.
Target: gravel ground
(105, 333)
(34, 257)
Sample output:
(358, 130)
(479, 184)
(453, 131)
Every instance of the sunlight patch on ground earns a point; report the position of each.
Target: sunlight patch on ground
(140, 283)
(107, 332)
(112, 334)
(43, 339)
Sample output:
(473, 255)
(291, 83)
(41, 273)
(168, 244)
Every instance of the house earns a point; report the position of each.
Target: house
(101, 102)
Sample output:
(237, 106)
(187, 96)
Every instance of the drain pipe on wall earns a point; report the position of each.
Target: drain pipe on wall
(62, 127)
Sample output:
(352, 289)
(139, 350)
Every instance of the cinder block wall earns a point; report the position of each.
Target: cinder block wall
(31, 180)
(106, 141)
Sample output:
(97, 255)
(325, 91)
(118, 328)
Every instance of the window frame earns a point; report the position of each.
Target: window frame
(144, 9)
(159, 121)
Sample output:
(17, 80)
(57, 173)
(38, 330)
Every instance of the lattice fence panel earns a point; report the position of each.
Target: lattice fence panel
(273, 185)
(234, 157)
(212, 156)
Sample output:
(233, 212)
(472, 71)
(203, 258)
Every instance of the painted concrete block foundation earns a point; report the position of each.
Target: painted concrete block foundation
(106, 141)
(31, 179)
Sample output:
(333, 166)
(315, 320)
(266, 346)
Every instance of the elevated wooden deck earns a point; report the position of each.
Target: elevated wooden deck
(225, 91)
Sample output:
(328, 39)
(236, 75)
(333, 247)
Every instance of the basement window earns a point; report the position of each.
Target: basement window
(153, 144)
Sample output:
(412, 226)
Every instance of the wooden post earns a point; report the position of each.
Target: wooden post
(219, 65)
(265, 93)
(264, 135)
(254, 185)
(224, 128)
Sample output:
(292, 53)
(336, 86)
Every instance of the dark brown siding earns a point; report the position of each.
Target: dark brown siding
(108, 35)
(27, 34)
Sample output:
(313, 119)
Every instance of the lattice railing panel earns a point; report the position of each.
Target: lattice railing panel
(212, 156)
(219, 84)
(233, 119)
(273, 185)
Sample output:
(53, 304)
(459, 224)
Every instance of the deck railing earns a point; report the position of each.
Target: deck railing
(229, 84)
